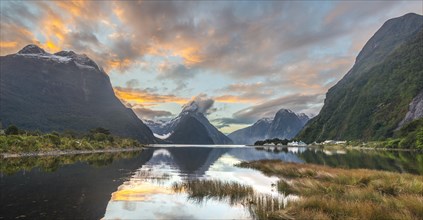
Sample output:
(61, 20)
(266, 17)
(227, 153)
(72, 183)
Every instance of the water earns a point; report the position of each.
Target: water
(138, 185)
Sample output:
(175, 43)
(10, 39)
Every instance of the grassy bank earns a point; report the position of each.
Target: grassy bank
(333, 193)
(9, 166)
(24, 141)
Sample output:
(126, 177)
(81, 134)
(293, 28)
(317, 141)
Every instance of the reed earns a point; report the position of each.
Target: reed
(334, 193)
(260, 206)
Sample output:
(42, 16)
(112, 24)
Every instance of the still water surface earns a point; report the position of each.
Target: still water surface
(138, 185)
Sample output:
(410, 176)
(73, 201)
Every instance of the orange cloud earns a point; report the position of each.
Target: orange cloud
(138, 191)
(188, 51)
(118, 64)
(14, 37)
(235, 99)
(51, 46)
(138, 96)
(54, 29)
(74, 7)
(190, 55)
(8, 44)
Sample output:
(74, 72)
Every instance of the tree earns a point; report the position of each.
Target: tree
(12, 130)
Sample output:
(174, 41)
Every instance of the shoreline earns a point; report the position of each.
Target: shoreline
(115, 150)
(68, 152)
(341, 147)
(368, 148)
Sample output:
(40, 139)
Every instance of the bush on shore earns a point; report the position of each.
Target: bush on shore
(18, 141)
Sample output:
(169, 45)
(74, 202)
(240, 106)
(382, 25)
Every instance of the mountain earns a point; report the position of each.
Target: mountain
(160, 128)
(253, 133)
(62, 91)
(285, 124)
(190, 131)
(189, 127)
(370, 101)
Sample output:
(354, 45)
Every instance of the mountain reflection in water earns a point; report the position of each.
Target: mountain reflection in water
(139, 184)
(150, 193)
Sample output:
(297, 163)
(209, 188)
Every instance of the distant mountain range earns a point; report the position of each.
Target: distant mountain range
(62, 91)
(189, 127)
(382, 91)
(285, 124)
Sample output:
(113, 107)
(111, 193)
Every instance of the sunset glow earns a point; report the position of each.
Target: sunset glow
(242, 55)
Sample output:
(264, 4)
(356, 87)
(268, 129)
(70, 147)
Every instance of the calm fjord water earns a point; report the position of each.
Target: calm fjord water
(138, 185)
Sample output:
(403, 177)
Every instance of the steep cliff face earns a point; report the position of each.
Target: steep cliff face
(370, 101)
(62, 91)
(415, 110)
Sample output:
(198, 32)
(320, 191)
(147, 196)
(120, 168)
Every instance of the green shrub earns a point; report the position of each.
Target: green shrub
(392, 143)
(55, 140)
(100, 137)
(12, 130)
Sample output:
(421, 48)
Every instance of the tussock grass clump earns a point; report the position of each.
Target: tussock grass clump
(259, 205)
(205, 189)
(334, 193)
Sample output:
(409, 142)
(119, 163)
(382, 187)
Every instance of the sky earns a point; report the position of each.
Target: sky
(242, 60)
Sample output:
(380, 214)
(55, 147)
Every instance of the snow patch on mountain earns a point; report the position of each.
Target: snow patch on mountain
(47, 56)
(162, 136)
(81, 60)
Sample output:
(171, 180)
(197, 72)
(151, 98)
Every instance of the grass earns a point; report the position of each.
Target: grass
(203, 189)
(334, 193)
(9, 166)
(24, 142)
(259, 205)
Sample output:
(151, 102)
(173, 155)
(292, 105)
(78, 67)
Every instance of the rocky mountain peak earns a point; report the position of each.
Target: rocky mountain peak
(284, 112)
(65, 53)
(264, 120)
(190, 107)
(32, 49)
(81, 59)
(392, 32)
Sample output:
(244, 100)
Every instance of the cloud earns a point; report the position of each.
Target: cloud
(15, 33)
(132, 83)
(178, 73)
(299, 103)
(309, 104)
(244, 93)
(146, 113)
(237, 99)
(145, 97)
(204, 35)
(200, 103)
(226, 122)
